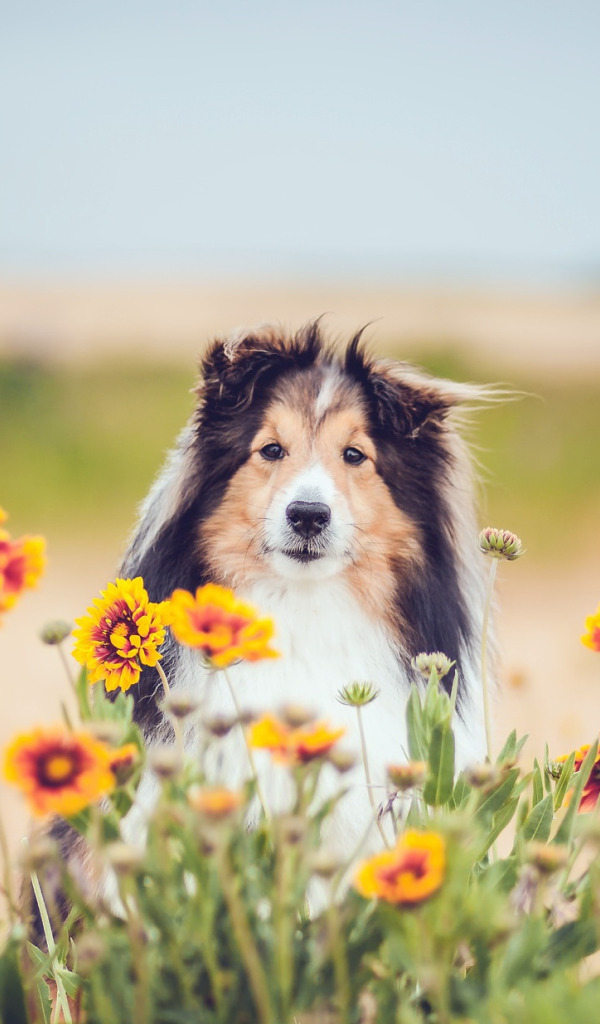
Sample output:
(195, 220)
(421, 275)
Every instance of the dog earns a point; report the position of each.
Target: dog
(333, 491)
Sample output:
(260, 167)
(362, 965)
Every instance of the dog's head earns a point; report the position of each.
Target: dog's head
(318, 463)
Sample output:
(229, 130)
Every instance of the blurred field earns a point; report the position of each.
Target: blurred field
(81, 439)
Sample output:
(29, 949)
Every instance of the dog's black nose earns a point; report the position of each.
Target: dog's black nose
(308, 518)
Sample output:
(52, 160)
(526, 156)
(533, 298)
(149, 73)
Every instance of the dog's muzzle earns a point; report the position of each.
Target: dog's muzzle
(308, 518)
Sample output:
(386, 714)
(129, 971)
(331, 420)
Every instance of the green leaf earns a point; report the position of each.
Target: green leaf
(70, 980)
(568, 945)
(499, 822)
(509, 749)
(82, 691)
(12, 997)
(494, 800)
(564, 832)
(415, 727)
(440, 780)
(539, 823)
(564, 779)
(538, 785)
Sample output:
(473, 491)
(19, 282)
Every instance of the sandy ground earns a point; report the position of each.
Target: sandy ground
(543, 332)
(549, 683)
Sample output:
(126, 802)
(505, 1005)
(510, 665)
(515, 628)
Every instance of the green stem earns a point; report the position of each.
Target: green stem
(484, 660)
(249, 750)
(363, 747)
(7, 875)
(174, 721)
(61, 995)
(66, 665)
(340, 961)
(244, 939)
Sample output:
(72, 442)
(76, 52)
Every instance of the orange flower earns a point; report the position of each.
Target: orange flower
(121, 634)
(293, 746)
(591, 639)
(22, 562)
(216, 802)
(591, 790)
(223, 628)
(59, 772)
(409, 873)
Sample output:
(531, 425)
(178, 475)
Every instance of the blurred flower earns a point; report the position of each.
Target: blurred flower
(293, 746)
(22, 562)
(424, 663)
(219, 625)
(500, 544)
(409, 873)
(120, 634)
(123, 761)
(405, 776)
(591, 639)
(216, 802)
(59, 772)
(591, 790)
(357, 694)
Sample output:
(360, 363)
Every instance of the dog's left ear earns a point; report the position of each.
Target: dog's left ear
(402, 399)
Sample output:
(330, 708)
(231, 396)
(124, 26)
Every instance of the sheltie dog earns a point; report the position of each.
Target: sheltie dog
(333, 491)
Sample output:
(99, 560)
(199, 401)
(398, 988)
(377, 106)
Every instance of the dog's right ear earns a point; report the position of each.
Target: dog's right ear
(234, 368)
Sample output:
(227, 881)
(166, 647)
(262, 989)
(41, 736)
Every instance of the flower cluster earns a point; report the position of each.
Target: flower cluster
(120, 634)
(409, 873)
(290, 745)
(59, 772)
(22, 562)
(220, 626)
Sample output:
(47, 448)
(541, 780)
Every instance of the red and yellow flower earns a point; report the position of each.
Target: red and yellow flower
(121, 633)
(59, 772)
(410, 873)
(293, 745)
(591, 790)
(219, 625)
(22, 562)
(591, 638)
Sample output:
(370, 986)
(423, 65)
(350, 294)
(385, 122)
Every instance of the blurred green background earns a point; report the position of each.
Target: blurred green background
(80, 445)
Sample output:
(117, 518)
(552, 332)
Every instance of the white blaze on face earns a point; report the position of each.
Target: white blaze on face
(313, 484)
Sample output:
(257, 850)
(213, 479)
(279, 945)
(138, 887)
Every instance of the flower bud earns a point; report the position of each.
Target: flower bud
(406, 776)
(165, 761)
(342, 760)
(124, 858)
(90, 949)
(424, 663)
(547, 859)
(180, 703)
(39, 853)
(482, 776)
(107, 732)
(500, 544)
(357, 694)
(220, 725)
(292, 828)
(55, 632)
(324, 864)
(296, 715)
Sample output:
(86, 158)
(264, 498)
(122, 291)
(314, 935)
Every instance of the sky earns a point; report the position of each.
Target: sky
(328, 138)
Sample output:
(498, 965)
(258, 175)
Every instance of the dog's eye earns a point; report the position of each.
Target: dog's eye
(272, 452)
(353, 456)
